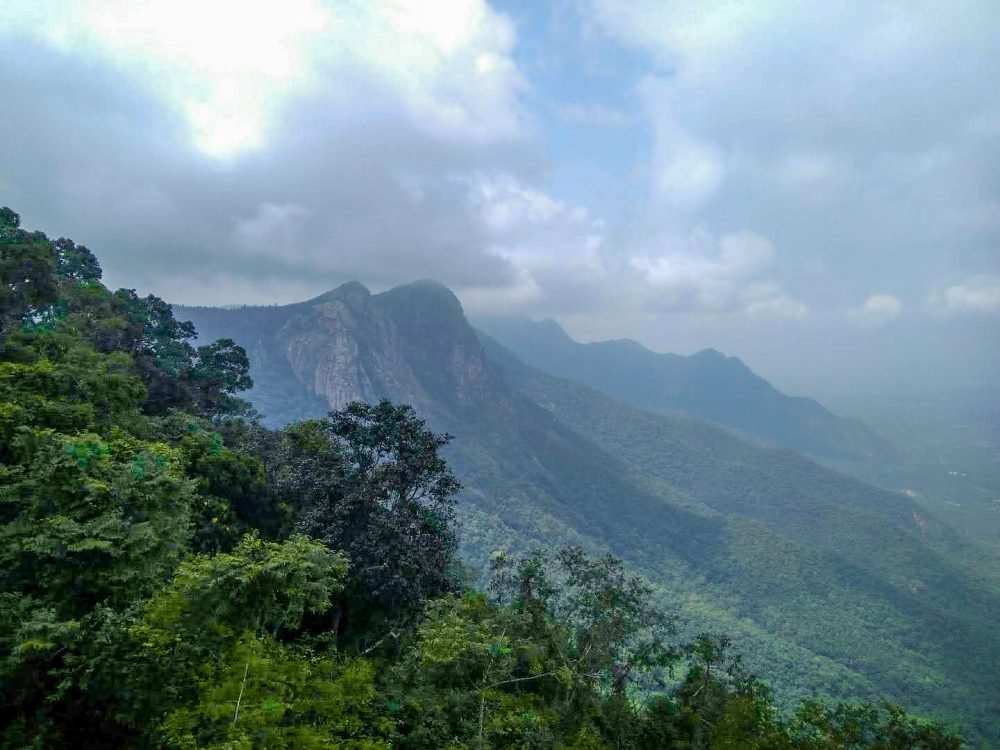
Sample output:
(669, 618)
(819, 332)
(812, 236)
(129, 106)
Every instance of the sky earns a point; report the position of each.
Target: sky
(814, 187)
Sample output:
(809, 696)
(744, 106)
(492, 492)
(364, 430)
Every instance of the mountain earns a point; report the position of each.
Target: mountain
(830, 586)
(708, 385)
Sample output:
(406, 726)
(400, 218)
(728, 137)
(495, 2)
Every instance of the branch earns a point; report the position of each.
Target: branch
(518, 679)
(391, 634)
(239, 699)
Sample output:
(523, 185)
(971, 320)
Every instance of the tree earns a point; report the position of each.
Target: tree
(216, 632)
(76, 262)
(260, 587)
(721, 705)
(220, 370)
(477, 676)
(27, 266)
(880, 726)
(613, 629)
(93, 518)
(261, 693)
(370, 481)
(234, 492)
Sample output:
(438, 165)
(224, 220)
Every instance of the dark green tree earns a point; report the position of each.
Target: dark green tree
(27, 266)
(76, 262)
(370, 480)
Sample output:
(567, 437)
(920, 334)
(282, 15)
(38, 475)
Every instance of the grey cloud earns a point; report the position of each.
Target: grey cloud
(352, 187)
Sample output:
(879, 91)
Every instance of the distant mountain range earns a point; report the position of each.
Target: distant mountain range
(829, 585)
(708, 385)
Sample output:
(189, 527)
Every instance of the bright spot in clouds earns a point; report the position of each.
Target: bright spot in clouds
(231, 65)
(878, 308)
(224, 63)
(980, 294)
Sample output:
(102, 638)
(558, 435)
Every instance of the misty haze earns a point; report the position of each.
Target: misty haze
(499, 374)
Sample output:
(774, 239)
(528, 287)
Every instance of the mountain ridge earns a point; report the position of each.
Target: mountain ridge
(707, 384)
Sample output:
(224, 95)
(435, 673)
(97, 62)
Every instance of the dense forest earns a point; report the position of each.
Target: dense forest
(175, 574)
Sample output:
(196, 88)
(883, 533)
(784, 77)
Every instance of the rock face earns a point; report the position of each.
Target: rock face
(410, 344)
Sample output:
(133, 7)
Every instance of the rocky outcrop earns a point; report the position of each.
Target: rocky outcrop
(411, 344)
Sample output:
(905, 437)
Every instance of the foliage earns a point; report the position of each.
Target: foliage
(27, 266)
(263, 694)
(365, 480)
(261, 587)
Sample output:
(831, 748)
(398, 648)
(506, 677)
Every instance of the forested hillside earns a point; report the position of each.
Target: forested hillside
(708, 385)
(940, 449)
(829, 586)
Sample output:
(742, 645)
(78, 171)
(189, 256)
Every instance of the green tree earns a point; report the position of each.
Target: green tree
(614, 631)
(868, 726)
(215, 631)
(370, 480)
(27, 266)
(477, 676)
(76, 262)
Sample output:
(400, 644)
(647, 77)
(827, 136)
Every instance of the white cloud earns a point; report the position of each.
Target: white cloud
(702, 272)
(230, 66)
(227, 83)
(979, 294)
(877, 309)
(533, 229)
(686, 170)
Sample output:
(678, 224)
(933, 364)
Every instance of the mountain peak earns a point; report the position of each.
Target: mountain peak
(545, 333)
(710, 353)
(350, 291)
(426, 297)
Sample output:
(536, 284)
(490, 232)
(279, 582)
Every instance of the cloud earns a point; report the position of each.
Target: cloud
(861, 136)
(979, 294)
(366, 125)
(738, 170)
(701, 272)
(781, 306)
(686, 170)
(877, 309)
(451, 67)
(561, 252)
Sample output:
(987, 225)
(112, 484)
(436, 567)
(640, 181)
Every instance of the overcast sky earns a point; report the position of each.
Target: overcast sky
(812, 186)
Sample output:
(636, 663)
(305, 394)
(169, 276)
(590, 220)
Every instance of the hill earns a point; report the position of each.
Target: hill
(708, 385)
(831, 586)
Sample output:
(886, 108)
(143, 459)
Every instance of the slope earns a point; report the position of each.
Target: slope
(708, 385)
(831, 586)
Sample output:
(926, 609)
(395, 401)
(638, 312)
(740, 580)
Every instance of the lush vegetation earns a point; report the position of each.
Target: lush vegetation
(173, 574)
